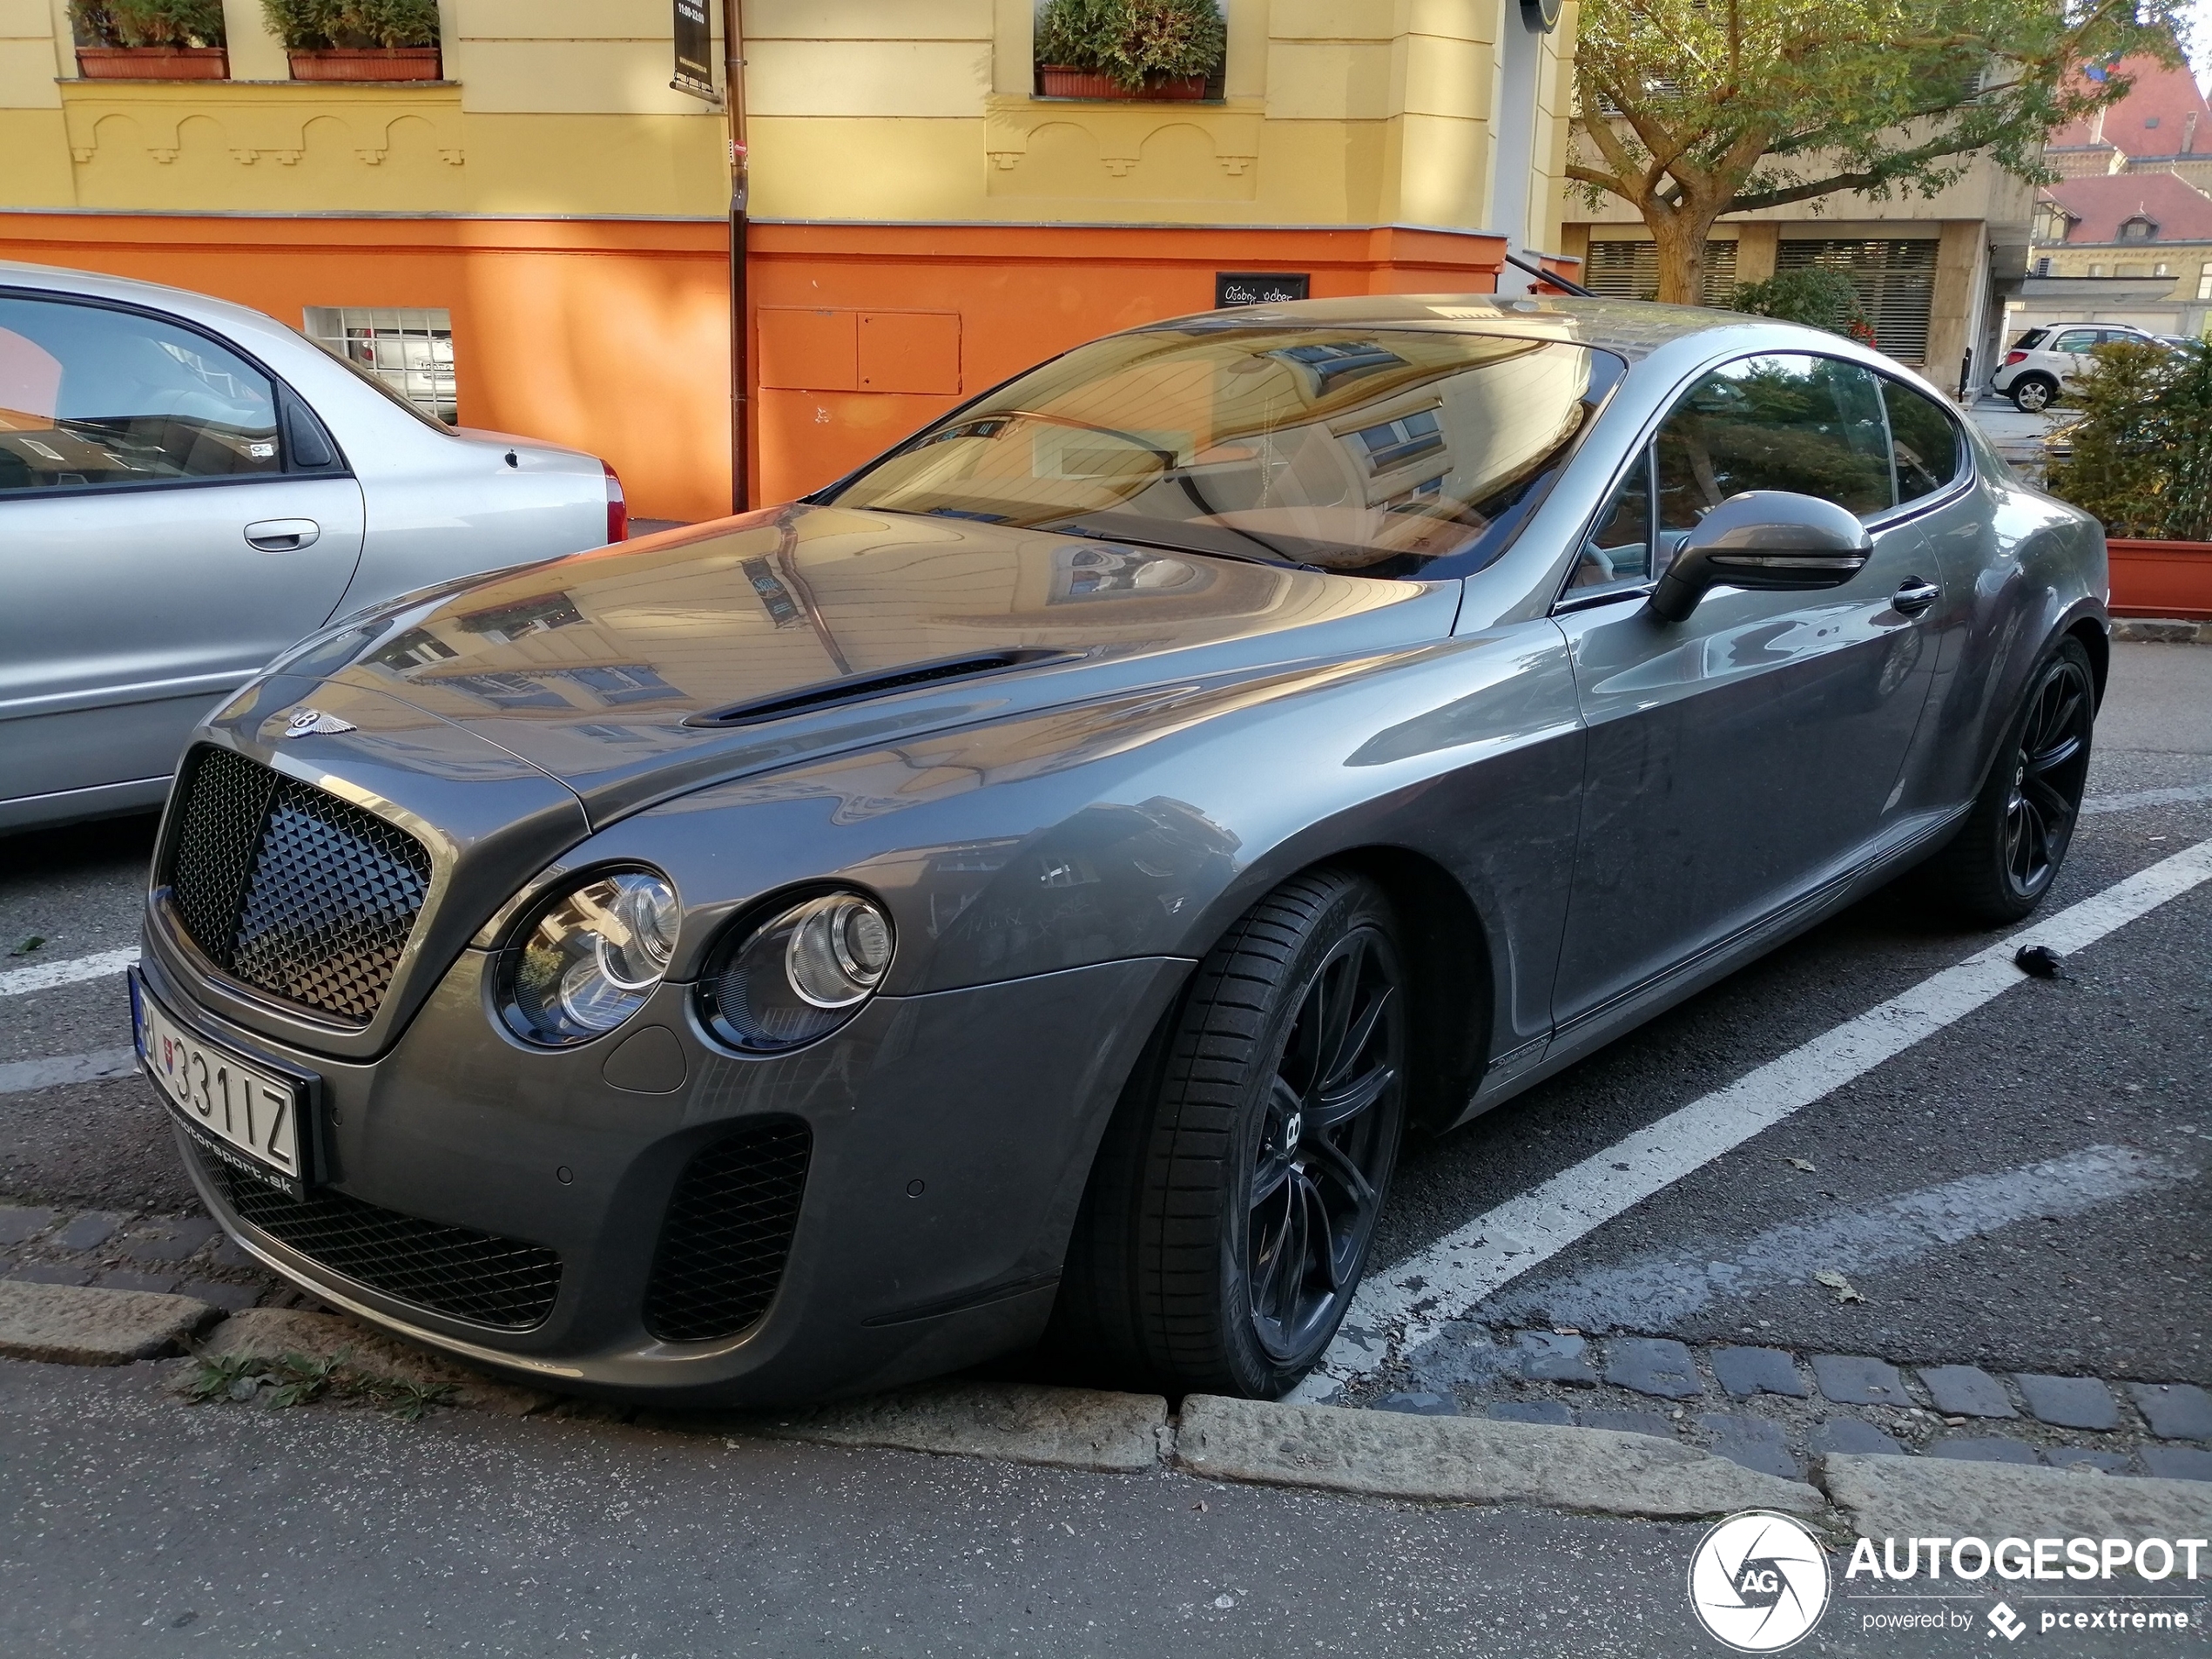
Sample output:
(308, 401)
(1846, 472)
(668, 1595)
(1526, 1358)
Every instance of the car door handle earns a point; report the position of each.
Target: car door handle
(1914, 597)
(283, 535)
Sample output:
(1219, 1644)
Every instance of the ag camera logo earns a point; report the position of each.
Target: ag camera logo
(1759, 1581)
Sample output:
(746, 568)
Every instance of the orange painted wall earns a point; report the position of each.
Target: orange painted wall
(612, 335)
(1020, 294)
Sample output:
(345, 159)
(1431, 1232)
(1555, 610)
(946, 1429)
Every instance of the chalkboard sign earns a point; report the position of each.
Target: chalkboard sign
(1259, 287)
(694, 50)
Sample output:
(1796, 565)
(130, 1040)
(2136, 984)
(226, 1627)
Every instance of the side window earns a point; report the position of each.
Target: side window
(1923, 440)
(1618, 551)
(2076, 341)
(1812, 425)
(92, 396)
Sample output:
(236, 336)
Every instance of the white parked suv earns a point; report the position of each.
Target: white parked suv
(187, 488)
(2043, 359)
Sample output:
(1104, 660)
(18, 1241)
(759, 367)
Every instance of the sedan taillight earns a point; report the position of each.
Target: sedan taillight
(618, 508)
(2012, 357)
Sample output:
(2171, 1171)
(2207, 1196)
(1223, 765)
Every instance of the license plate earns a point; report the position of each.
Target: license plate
(244, 1112)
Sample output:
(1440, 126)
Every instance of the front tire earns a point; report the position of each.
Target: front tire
(1230, 1214)
(2008, 852)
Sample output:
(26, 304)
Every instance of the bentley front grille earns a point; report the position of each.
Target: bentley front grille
(291, 889)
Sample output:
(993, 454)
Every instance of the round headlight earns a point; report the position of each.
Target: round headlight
(801, 974)
(590, 959)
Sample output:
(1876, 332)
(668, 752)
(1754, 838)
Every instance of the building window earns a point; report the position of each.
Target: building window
(2096, 270)
(2204, 282)
(2162, 269)
(2138, 229)
(409, 348)
(2043, 266)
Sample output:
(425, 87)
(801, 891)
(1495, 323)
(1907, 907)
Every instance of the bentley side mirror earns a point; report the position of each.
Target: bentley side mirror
(1771, 540)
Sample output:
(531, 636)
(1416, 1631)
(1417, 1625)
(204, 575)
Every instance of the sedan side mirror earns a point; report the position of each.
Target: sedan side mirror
(1771, 540)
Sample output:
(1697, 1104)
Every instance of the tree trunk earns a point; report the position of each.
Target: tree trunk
(1680, 233)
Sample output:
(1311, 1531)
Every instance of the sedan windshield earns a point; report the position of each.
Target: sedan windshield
(1390, 452)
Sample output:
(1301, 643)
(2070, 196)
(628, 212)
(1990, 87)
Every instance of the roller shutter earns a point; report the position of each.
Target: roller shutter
(1896, 283)
(1630, 270)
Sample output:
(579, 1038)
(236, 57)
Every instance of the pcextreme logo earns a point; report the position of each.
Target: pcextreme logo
(1759, 1581)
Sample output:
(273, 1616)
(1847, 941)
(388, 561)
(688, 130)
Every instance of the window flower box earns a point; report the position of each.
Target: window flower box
(2161, 578)
(368, 63)
(153, 63)
(1060, 81)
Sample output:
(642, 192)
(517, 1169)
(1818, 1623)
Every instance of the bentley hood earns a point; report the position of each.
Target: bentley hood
(647, 669)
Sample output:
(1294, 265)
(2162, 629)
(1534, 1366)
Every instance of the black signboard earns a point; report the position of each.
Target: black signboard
(1259, 287)
(694, 50)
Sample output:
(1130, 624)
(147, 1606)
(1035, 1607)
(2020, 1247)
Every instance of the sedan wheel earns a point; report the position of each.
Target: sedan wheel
(1228, 1221)
(2008, 851)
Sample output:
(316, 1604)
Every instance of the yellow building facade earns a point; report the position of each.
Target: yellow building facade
(923, 223)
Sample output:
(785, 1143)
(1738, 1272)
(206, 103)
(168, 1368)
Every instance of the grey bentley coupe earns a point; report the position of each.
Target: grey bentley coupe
(1023, 893)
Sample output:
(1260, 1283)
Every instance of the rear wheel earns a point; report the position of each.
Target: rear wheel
(2031, 394)
(1228, 1220)
(2008, 852)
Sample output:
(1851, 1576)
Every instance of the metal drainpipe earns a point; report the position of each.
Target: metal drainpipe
(740, 187)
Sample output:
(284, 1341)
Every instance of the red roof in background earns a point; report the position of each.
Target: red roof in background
(2182, 213)
(2166, 97)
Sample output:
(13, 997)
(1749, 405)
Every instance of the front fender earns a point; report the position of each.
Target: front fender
(1140, 825)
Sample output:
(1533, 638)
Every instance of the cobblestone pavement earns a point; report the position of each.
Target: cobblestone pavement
(186, 1254)
(1773, 1410)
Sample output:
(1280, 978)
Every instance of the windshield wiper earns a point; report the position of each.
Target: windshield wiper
(1090, 534)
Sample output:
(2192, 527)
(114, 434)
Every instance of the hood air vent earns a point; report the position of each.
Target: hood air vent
(856, 688)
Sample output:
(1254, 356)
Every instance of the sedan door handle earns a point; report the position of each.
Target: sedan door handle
(1914, 597)
(283, 535)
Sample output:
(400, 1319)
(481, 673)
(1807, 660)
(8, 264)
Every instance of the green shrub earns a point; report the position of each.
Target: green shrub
(320, 26)
(147, 23)
(1819, 299)
(1131, 42)
(2142, 450)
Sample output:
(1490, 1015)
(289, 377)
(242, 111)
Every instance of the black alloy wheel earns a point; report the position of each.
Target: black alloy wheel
(2050, 769)
(1323, 1146)
(1230, 1212)
(2006, 854)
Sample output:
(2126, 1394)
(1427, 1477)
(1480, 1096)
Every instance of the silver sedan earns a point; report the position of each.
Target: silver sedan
(186, 487)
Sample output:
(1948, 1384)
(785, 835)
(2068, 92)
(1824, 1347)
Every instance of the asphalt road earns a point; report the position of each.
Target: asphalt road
(326, 1530)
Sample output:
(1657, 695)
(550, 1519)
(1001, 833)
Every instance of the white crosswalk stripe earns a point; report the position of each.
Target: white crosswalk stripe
(19, 981)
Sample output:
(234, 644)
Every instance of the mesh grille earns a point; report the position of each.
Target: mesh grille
(224, 813)
(294, 891)
(455, 1271)
(728, 1230)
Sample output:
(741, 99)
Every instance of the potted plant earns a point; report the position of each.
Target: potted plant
(1129, 49)
(2140, 459)
(357, 40)
(150, 40)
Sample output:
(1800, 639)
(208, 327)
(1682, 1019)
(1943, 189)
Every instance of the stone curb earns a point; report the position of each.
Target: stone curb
(1072, 1429)
(2162, 630)
(76, 1324)
(1469, 1461)
(1907, 1497)
(1392, 1454)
